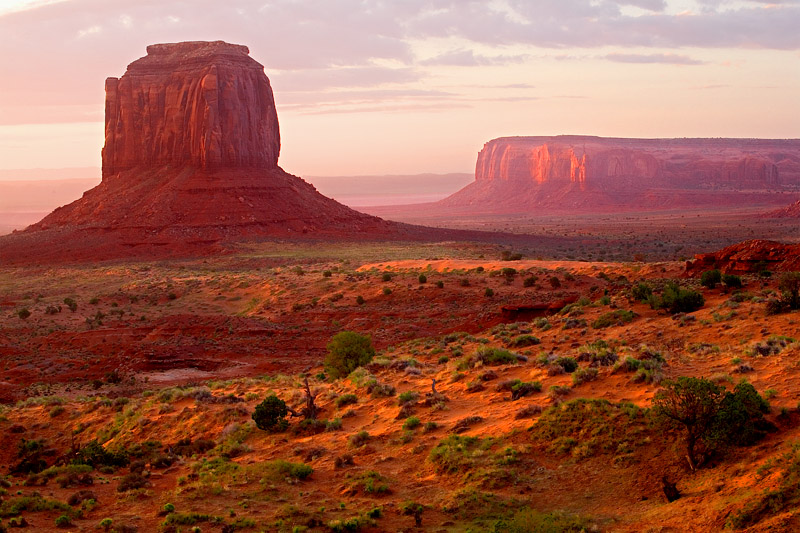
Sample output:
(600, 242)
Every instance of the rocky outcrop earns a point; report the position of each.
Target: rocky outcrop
(205, 104)
(790, 211)
(748, 257)
(519, 173)
(190, 162)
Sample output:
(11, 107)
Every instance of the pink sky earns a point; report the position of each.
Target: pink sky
(399, 87)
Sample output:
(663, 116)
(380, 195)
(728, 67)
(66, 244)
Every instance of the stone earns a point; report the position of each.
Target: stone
(515, 174)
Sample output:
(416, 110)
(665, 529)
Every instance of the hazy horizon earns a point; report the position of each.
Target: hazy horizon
(416, 87)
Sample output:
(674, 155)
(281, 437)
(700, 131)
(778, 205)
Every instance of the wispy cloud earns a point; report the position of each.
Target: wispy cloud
(669, 59)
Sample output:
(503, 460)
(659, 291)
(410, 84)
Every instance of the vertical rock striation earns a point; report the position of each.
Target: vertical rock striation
(204, 104)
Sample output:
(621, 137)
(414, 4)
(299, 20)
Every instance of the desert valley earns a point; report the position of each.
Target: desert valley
(594, 334)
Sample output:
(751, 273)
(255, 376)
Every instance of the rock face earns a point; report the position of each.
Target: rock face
(519, 173)
(190, 160)
(747, 257)
(205, 104)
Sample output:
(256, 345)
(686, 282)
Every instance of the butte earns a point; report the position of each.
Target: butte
(190, 163)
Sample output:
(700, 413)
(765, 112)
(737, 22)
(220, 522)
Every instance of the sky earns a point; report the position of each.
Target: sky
(415, 86)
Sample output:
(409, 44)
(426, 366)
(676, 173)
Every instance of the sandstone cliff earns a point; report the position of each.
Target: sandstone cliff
(206, 104)
(190, 161)
(527, 172)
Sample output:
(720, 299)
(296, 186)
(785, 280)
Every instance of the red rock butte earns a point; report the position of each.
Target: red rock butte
(523, 173)
(190, 160)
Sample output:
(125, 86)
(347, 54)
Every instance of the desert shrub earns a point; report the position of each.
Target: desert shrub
(93, 453)
(132, 481)
(186, 447)
(528, 520)
(440, 284)
(641, 291)
(618, 317)
(554, 282)
(732, 281)
(386, 276)
(32, 503)
(530, 281)
(411, 422)
(710, 278)
(521, 389)
(359, 439)
(369, 482)
(360, 300)
(327, 273)
(23, 313)
(408, 397)
(568, 364)
(676, 299)
(279, 470)
(790, 295)
(346, 399)
(464, 282)
(521, 341)
(508, 255)
(491, 356)
(489, 292)
(772, 346)
(347, 351)
(582, 375)
(270, 415)
(422, 278)
(456, 453)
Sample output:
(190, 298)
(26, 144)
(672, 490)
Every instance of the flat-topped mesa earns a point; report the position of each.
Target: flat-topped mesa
(610, 162)
(201, 104)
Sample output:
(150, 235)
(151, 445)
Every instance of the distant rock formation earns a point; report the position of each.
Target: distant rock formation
(748, 257)
(190, 160)
(521, 173)
(790, 211)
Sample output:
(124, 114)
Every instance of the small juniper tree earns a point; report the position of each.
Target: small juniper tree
(694, 403)
(347, 351)
(270, 415)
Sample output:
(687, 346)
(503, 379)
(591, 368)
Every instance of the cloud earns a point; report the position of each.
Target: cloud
(669, 59)
(59, 53)
(468, 58)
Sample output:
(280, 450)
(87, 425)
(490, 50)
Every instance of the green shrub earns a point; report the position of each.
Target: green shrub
(411, 422)
(618, 317)
(521, 341)
(569, 364)
(63, 521)
(422, 278)
(270, 415)
(440, 284)
(489, 292)
(530, 281)
(641, 291)
(359, 439)
(582, 375)
(734, 282)
(677, 299)
(346, 399)
(528, 520)
(710, 278)
(408, 397)
(554, 282)
(493, 356)
(347, 351)
(280, 469)
(386, 277)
